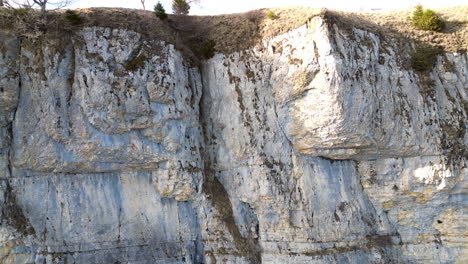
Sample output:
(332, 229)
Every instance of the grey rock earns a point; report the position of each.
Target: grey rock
(316, 146)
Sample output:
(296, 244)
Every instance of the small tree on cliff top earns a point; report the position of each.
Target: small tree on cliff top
(182, 7)
(159, 11)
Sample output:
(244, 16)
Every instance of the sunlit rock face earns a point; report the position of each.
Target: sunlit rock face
(317, 146)
(103, 157)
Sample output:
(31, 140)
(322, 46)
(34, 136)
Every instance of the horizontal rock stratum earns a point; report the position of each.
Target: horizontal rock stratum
(309, 138)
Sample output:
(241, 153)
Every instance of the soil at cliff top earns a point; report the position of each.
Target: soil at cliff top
(235, 32)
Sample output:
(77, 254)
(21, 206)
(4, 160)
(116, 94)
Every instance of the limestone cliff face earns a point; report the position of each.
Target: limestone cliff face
(317, 146)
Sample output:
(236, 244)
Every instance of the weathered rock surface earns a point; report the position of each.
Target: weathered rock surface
(317, 146)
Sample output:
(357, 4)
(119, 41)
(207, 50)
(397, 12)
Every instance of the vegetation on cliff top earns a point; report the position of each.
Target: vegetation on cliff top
(423, 58)
(159, 11)
(427, 19)
(394, 24)
(180, 7)
(234, 32)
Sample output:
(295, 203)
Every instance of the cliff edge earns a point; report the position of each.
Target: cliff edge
(309, 138)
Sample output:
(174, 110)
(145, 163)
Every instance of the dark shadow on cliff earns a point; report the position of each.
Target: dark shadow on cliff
(13, 213)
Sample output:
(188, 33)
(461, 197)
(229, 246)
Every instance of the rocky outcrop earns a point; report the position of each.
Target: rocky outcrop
(316, 146)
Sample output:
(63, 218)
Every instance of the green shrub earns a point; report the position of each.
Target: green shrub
(271, 15)
(424, 58)
(136, 63)
(207, 49)
(22, 11)
(427, 20)
(73, 17)
(159, 11)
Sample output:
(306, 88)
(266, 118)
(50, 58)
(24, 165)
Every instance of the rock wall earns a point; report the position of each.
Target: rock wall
(317, 146)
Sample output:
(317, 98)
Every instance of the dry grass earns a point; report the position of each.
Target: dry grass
(236, 32)
(143, 22)
(394, 24)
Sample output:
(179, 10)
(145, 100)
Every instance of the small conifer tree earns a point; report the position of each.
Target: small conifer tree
(180, 7)
(159, 11)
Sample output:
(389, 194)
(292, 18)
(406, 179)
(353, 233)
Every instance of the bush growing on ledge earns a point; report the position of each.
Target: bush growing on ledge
(424, 58)
(207, 49)
(73, 17)
(159, 11)
(427, 20)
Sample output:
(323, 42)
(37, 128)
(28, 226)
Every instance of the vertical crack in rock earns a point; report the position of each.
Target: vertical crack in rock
(12, 211)
(71, 80)
(247, 247)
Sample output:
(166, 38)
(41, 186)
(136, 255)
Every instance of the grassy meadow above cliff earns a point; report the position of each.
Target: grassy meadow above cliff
(234, 32)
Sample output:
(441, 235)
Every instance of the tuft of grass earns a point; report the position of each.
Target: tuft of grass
(73, 17)
(424, 58)
(427, 19)
(136, 63)
(271, 15)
